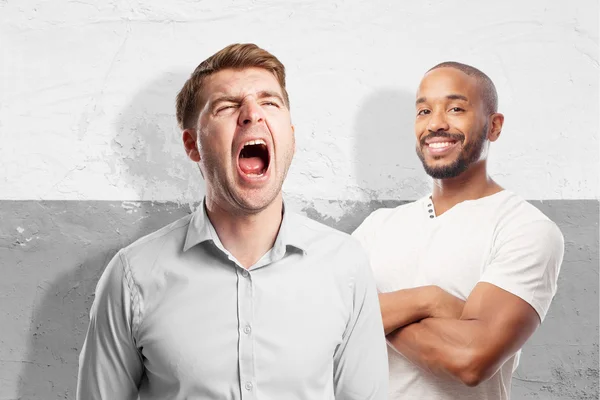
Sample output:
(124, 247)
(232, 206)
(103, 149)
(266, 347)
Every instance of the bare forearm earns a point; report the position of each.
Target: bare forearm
(445, 347)
(404, 307)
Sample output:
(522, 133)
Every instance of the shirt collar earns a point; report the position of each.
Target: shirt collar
(199, 229)
(290, 233)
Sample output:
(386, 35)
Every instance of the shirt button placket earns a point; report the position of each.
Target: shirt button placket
(246, 342)
(430, 210)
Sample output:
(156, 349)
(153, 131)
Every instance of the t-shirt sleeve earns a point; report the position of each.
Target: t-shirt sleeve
(526, 261)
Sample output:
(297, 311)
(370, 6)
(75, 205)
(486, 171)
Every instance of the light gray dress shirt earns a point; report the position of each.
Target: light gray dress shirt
(176, 316)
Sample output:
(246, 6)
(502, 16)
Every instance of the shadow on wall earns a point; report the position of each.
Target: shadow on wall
(75, 242)
(385, 159)
(147, 145)
(386, 167)
(77, 239)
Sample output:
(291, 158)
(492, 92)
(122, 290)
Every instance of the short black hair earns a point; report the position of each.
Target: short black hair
(487, 88)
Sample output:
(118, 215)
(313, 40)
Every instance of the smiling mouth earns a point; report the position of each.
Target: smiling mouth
(254, 158)
(441, 145)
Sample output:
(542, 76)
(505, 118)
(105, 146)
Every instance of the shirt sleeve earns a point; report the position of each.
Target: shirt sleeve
(526, 261)
(360, 361)
(110, 365)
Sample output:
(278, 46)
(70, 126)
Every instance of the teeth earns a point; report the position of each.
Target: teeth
(439, 145)
(257, 141)
(254, 175)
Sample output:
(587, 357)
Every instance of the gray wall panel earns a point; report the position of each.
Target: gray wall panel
(52, 253)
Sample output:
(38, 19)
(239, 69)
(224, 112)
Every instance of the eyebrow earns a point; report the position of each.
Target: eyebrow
(225, 98)
(457, 97)
(236, 99)
(267, 93)
(449, 97)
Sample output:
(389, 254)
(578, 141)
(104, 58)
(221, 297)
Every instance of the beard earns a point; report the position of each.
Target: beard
(470, 153)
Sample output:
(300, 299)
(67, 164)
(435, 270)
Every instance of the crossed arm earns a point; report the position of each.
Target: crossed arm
(467, 341)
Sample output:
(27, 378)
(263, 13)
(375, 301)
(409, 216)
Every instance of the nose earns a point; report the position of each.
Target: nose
(251, 113)
(437, 121)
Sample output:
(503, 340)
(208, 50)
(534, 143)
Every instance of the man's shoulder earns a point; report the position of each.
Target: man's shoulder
(401, 210)
(314, 230)
(317, 235)
(333, 250)
(515, 209)
(150, 244)
(518, 215)
(398, 215)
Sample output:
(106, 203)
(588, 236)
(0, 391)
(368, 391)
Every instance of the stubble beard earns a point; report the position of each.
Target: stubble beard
(224, 189)
(469, 154)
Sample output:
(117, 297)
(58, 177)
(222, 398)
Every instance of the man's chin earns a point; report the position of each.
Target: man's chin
(445, 170)
(255, 201)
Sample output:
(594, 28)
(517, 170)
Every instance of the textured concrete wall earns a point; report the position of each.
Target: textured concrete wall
(89, 144)
(87, 91)
(53, 252)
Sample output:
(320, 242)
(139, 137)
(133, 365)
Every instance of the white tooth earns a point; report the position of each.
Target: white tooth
(257, 141)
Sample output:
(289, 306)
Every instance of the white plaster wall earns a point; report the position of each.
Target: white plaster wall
(87, 92)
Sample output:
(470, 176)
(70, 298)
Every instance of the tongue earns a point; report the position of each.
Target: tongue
(252, 165)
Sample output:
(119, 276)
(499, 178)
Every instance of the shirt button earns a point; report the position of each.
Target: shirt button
(245, 273)
(247, 330)
(248, 386)
(431, 216)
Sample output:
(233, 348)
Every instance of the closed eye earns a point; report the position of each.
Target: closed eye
(227, 107)
(270, 103)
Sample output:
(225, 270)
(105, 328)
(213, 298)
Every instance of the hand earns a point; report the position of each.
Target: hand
(445, 305)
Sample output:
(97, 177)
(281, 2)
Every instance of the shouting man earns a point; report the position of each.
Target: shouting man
(243, 299)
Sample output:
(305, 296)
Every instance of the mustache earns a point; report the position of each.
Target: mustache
(442, 134)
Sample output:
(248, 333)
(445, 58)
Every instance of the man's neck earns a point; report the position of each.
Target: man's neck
(247, 237)
(472, 184)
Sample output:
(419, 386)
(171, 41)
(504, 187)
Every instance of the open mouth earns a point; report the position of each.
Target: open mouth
(254, 158)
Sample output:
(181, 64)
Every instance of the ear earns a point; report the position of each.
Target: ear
(189, 142)
(294, 138)
(497, 120)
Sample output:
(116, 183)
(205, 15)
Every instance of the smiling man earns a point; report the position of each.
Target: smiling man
(243, 299)
(466, 274)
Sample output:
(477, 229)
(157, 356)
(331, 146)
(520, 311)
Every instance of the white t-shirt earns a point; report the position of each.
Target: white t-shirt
(500, 239)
